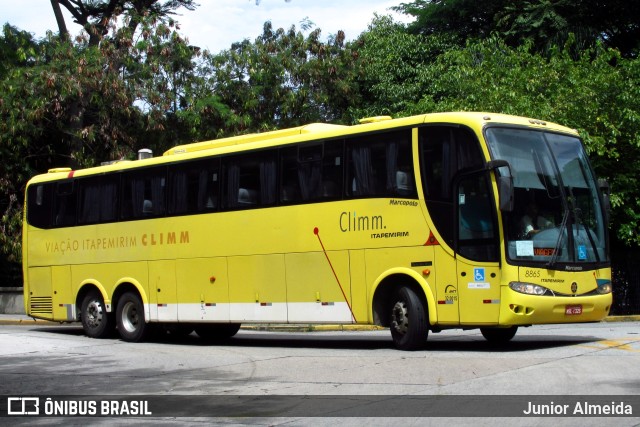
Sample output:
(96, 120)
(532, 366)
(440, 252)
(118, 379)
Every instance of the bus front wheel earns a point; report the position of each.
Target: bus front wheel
(96, 322)
(130, 318)
(408, 320)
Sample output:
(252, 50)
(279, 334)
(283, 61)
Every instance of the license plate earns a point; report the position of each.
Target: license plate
(572, 310)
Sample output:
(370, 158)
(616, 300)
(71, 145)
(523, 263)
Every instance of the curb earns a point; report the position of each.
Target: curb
(27, 321)
(627, 318)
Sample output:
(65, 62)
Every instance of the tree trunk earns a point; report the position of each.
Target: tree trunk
(62, 26)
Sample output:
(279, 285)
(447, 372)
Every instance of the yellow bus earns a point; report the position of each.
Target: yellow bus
(419, 224)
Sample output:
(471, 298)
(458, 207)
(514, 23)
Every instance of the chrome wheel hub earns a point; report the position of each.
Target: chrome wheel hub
(94, 314)
(400, 318)
(130, 317)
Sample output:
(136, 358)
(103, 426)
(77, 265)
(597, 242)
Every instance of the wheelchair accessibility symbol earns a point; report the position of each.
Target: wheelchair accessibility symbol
(582, 252)
(478, 274)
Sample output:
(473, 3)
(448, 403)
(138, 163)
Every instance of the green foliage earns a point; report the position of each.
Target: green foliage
(159, 70)
(590, 94)
(462, 19)
(74, 104)
(282, 79)
(18, 49)
(60, 110)
(390, 62)
(544, 23)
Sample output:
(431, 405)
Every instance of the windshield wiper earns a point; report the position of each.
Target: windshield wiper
(543, 174)
(570, 207)
(556, 250)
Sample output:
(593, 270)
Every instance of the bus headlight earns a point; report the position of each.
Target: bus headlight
(528, 288)
(604, 287)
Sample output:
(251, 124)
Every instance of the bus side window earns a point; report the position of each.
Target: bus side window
(251, 180)
(193, 187)
(311, 172)
(332, 170)
(143, 193)
(361, 181)
(400, 176)
(40, 205)
(98, 199)
(293, 177)
(208, 189)
(477, 234)
(381, 165)
(178, 195)
(65, 204)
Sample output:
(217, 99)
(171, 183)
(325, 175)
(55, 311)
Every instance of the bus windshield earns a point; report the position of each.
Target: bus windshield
(558, 216)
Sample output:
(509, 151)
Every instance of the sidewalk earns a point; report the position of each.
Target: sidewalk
(20, 319)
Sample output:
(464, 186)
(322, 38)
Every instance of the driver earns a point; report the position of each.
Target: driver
(532, 222)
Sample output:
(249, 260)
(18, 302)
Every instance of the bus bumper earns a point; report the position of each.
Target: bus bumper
(522, 309)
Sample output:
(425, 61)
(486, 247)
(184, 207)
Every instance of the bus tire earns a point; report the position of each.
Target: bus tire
(499, 335)
(130, 318)
(218, 331)
(408, 321)
(96, 322)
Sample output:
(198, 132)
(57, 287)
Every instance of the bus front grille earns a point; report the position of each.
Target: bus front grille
(41, 305)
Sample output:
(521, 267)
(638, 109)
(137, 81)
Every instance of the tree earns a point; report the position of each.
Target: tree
(390, 60)
(596, 94)
(17, 50)
(38, 122)
(71, 103)
(545, 23)
(460, 18)
(283, 79)
(97, 17)
(160, 70)
(111, 25)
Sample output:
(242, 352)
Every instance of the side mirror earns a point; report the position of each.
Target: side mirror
(505, 184)
(505, 192)
(495, 164)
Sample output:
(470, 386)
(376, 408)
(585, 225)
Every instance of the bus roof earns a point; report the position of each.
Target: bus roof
(476, 120)
(252, 137)
(373, 123)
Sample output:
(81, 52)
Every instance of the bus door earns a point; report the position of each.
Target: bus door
(477, 254)
(459, 204)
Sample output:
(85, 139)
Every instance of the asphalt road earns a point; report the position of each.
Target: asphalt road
(590, 359)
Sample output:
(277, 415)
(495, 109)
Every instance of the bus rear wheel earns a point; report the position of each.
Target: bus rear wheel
(130, 318)
(499, 335)
(96, 322)
(408, 320)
